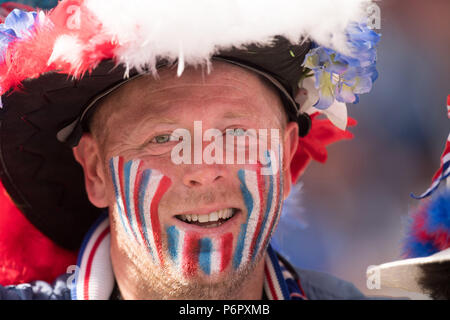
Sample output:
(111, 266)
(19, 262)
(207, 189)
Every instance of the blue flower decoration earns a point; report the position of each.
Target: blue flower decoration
(340, 77)
(17, 25)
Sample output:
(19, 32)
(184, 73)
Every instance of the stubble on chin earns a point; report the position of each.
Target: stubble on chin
(138, 277)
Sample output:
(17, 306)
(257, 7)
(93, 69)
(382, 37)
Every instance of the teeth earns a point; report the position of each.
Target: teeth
(211, 217)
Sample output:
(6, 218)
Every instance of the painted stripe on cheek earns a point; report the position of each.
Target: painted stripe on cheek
(122, 192)
(270, 203)
(164, 184)
(257, 229)
(132, 195)
(248, 201)
(143, 187)
(251, 181)
(129, 184)
(279, 200)
(113, 170)
(265, 235)
(148, 196)
(137, 185)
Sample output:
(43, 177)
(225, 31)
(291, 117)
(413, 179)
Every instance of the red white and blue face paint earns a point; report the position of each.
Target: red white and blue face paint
(138, 192)
(192, 252)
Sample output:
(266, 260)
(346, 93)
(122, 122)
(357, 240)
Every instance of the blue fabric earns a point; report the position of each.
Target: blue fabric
(278, 272)
(38, 290)
(322, 286)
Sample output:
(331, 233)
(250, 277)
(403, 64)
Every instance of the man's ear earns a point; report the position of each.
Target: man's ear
(88, 156)
(290, 147)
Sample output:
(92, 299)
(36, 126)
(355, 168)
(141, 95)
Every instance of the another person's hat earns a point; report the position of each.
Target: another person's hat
(55, 66)
(425, 267)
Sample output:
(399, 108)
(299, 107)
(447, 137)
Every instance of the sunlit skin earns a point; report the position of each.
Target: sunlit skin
(145, 110)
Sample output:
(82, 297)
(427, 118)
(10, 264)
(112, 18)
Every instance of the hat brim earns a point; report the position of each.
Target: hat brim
(405, 274)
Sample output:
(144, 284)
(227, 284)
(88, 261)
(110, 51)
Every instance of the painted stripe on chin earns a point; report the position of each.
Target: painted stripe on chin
(226, 246)
(172, 242)
(204, 256)
(190, 255)
(190, 252)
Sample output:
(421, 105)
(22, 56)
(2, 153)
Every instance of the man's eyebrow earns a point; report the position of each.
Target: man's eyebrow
(157, 120)
(234, 115)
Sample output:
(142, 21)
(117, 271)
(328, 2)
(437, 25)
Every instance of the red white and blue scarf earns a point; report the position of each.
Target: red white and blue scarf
(94, 278)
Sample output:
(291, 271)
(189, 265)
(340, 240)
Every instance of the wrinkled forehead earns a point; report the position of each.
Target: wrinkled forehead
(223, 81)
(226, 92)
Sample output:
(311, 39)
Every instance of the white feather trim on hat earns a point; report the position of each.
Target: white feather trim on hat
(194, 30)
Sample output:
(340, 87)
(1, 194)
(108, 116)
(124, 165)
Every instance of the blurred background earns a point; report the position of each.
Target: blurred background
(43, 4)
(350, 212)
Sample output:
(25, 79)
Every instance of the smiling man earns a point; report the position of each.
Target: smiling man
(164, 159)
(207, 235)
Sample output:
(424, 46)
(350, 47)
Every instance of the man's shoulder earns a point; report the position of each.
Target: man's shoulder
(323, 286)
(37, 290)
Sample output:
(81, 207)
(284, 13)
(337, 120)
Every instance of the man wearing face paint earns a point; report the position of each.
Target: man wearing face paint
(200, 229)
(170, 181)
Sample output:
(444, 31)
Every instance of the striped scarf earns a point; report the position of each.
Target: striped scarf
(94, 278)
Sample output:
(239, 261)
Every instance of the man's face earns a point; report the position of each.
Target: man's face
(198, 222)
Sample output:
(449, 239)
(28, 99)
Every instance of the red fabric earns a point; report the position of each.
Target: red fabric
(25, 253)
(313, 146)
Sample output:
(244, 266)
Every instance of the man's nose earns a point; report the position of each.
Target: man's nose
(203, 175)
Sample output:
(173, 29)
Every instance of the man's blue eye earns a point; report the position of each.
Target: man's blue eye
(237, 132)
(164, 138)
